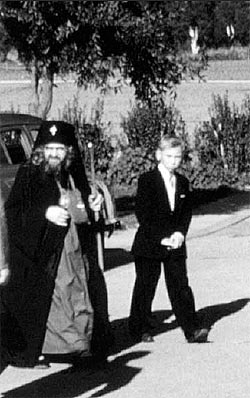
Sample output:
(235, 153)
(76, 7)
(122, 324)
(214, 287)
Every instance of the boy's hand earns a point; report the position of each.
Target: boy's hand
(174, 242)
(166, 242)
(177, 240)
(4, 276)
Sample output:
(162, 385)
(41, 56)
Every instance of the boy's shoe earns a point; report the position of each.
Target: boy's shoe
(147, 338)
(199, 336)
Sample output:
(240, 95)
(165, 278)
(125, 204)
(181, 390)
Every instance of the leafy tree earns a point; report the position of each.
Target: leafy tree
(242, 22)
(234, 13)
(96, 38)
(201, 14)
(212, 18)
(5, 44)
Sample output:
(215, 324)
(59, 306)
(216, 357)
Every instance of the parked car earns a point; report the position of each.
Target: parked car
(17, 135)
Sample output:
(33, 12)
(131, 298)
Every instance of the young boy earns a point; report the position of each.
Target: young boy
(163, 210)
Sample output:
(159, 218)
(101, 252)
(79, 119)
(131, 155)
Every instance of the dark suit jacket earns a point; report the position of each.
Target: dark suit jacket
(156, 220)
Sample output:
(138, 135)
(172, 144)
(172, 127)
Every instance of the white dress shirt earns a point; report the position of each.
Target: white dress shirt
(177, 238)
(170, 184)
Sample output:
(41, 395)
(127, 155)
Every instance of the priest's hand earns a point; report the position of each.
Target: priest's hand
(57, 215)
(95, 201)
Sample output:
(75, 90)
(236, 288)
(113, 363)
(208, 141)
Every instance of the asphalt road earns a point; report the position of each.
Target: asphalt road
(218, 263)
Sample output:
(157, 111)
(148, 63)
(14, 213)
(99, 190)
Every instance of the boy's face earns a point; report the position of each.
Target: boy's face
(170, 158)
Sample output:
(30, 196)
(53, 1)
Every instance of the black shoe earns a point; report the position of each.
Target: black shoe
(199, 336)
(42, 363)
(153, 322)
(134, 333)
(147, 338)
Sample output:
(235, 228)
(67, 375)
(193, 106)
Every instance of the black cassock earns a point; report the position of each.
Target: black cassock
(56, 299)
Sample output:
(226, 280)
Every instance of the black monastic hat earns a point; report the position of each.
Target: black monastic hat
(56, 132)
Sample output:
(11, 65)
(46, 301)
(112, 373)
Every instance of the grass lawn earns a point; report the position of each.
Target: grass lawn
(193, 98)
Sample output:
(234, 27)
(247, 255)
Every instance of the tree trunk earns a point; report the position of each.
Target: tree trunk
(42, 88)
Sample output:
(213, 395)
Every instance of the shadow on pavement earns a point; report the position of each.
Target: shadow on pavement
(207, 315)
(70, 384)
(123, 340)
(216, 202)
(212, 314)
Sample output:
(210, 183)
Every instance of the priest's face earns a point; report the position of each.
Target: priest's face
(54, 154)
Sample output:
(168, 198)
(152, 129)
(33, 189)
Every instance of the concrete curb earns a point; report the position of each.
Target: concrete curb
(219, 226)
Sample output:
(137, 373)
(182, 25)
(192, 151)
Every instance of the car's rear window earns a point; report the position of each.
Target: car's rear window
(12, 148)
(34, 133)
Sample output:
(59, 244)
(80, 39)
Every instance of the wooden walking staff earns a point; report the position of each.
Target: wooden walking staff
(96, 213)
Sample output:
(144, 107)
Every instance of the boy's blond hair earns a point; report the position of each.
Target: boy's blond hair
(171, 141)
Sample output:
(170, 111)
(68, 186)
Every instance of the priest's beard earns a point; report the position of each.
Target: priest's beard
(54, 166)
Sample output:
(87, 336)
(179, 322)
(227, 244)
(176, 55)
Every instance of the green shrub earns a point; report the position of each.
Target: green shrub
(125, 171)
(226, 138)
(220, 156)
(222, 147)
(94, 132)
(145, 125)
(210, 176)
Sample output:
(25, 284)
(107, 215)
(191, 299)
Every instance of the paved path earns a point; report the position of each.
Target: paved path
(219, 272)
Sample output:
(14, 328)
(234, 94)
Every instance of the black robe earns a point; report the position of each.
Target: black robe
(35, 250)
